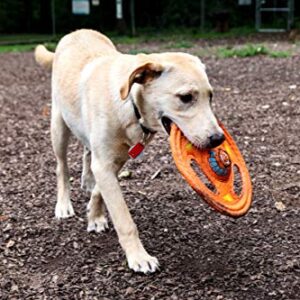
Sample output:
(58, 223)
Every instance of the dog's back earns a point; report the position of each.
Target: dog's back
(81, 46)
(78, 47)
(73, 52)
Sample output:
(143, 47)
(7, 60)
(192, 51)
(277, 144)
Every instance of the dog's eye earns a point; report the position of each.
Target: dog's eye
(186, 98)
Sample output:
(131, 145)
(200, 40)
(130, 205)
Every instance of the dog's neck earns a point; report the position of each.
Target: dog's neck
(146, 130)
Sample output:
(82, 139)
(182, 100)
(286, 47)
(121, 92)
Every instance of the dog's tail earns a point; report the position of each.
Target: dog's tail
(43, 56)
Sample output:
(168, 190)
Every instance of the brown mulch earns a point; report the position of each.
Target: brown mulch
(203, 254)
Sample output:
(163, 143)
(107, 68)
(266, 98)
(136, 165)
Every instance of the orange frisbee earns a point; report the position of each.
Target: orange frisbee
(220, 167)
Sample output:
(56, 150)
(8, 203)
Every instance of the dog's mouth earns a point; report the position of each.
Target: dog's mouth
(167, 124)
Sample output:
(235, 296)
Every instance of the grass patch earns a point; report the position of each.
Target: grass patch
(24, 48)
(180, 45)
(279, 54)
(180, 37)
(245, 51)
(50, 46)
(127, 40)
(137, 51)
(177, 37)
(232, 33)
(26, 42)
(25, 38)
(250, 50)
(16, 48)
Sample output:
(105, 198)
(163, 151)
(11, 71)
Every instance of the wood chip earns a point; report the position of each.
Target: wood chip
(10, 244)
(125, 174)
(280, 206)
(3, 218)
(156, 174)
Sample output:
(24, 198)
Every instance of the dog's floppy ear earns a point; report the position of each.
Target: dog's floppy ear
(142, 74)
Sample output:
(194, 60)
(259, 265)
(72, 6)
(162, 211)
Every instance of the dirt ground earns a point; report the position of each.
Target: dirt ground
(203, 254)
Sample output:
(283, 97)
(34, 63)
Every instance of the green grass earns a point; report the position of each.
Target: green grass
(144, 35)
(170, 39)
(20, 38)
(24, 48)
(180, 37)
(16, 48)
(234, 32)
(25, 42)
(250, 50)
(279, 54)
(137, 51)
(128, 40)
(244, 51)
(180, 45)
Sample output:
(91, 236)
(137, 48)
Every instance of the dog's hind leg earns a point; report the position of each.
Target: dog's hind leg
(95, 209)
(95, 212)
(60, 134)
(87, 176)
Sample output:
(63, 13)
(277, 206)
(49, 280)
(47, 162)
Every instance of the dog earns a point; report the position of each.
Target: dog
(112, 102)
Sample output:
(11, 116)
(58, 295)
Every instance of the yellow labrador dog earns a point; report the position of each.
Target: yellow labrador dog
(113, 103)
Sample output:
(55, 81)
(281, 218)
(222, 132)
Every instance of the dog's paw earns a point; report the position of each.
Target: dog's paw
(98, 224)
(143, 263)
(64, 210)
(88, 183)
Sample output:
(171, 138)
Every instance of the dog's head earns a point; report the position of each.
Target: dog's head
(173, 87)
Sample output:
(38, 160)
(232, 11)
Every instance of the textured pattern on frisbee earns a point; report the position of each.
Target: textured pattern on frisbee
(218, 166)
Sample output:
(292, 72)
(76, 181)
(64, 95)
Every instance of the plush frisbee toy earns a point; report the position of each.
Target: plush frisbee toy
(218, 166)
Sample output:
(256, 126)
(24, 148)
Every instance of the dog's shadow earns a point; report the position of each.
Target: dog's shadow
(231, 260)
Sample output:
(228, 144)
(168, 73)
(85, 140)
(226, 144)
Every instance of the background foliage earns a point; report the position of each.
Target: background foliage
(24, 16)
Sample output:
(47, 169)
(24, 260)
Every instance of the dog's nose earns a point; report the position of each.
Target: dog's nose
(216, 140)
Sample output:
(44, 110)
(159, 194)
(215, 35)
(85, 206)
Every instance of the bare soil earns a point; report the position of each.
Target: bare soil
(203, 254)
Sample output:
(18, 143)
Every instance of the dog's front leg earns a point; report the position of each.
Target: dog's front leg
(105, 173)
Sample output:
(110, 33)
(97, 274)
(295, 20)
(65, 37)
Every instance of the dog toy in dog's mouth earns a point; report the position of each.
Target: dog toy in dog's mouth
(228, 186)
